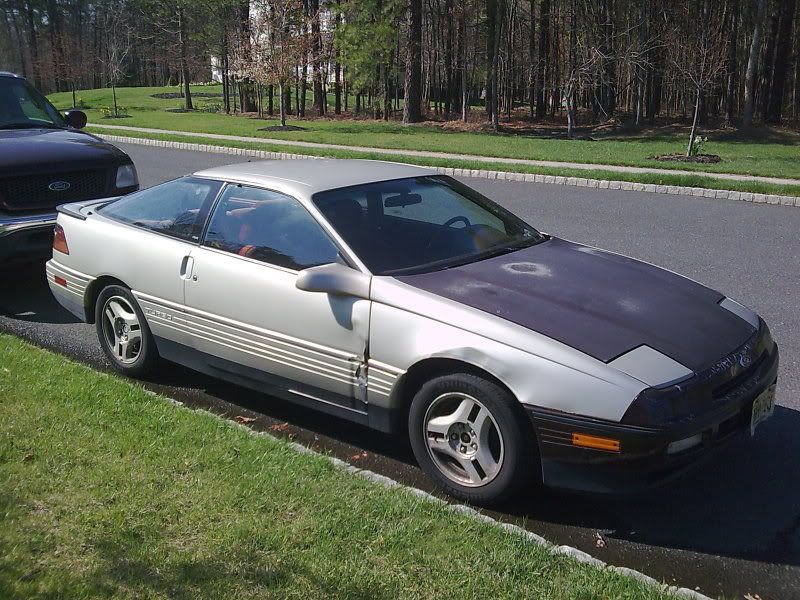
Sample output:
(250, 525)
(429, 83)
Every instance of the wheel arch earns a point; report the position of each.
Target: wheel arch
(426, 369)
(93, 291)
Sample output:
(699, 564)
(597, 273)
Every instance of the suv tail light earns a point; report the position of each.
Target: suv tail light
(60, 240)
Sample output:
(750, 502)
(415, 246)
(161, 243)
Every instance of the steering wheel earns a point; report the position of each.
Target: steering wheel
(454, 220)
(445, 225)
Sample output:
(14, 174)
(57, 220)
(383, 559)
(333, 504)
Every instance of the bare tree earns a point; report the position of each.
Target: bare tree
(119, 33)
(698, 50)
(277, 42)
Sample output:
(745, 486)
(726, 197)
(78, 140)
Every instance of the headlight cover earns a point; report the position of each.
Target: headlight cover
(126, 176)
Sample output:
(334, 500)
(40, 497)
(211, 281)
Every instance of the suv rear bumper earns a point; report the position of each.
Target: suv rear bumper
(26, 237)
(643, 459)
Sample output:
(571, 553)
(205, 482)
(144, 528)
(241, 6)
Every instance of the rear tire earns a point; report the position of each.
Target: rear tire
(123, 332)
(470, 435)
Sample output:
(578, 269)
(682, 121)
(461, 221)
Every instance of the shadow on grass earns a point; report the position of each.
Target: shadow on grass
(127, 566)
(124, 565)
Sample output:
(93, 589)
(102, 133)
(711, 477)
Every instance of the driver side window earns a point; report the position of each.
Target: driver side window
(269, 227)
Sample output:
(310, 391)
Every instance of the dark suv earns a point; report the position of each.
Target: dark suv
(45, 161)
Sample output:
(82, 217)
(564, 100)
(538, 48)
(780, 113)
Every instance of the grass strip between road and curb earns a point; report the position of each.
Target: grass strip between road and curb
(765, 152)
(688, 181)
(112, 491)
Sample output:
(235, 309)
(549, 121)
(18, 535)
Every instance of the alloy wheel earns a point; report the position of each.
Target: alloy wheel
(463, 439)
(122, 330)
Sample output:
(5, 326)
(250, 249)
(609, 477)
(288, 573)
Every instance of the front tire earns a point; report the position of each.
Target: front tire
(123, 332)
(470, 435)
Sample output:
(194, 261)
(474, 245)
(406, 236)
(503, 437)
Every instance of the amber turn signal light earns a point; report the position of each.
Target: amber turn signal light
(60, 240)
(595, 442)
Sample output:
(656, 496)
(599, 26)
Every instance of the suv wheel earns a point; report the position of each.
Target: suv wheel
(123, 332)
(468, 433)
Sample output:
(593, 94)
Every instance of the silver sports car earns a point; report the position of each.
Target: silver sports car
(402, 299)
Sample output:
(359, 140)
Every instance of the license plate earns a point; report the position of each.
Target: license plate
(763, 407)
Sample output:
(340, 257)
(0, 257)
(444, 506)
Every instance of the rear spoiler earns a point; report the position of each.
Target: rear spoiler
(75, 209)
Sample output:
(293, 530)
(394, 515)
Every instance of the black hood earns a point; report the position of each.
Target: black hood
(27, 151)
(597, 302)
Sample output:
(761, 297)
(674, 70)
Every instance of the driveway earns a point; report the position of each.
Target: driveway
(731, 526)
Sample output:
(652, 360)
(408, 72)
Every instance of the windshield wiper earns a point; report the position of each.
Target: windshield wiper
(511, 247)
(29, 125)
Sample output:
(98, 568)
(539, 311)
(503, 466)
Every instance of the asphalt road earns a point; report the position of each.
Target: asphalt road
(731, 526)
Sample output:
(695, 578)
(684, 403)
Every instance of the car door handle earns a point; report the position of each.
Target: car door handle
(187, 264)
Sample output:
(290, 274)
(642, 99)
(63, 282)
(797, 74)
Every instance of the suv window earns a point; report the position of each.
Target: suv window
(173, 208)
(21, 106)
(269, 227)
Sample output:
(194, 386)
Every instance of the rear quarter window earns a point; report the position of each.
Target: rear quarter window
(175, 208)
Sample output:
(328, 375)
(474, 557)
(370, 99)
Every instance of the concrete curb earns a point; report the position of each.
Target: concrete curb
(484, 174)
(529, 536)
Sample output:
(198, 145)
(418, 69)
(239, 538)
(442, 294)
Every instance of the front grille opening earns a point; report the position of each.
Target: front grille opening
(35, 192)
(742, 378)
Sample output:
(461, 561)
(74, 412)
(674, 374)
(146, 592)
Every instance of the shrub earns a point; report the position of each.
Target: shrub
(108, 112)
(697, 145)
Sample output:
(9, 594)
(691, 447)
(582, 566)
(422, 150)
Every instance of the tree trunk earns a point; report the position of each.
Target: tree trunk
(412, 107)
(544, 49)
(769, 64)
(495, 60)
(532, 61)
(187, 93)
(752, 64)
(570, 108)
(573, 66)
(693, 133)
(33, 45)
(54, 33)
(783, 53)
(303, 90)
(316, 59)
(449, 41)
(462, 35)
(282, 102)
(387, 95)
(270, 100)
(337, 89)
(730, 92)
(491, 26)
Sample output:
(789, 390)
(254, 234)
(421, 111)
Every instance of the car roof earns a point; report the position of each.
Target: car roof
(307, 177)
(9, 74)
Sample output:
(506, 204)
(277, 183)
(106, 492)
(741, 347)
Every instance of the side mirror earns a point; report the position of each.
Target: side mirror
(75, 118)
(336, 279)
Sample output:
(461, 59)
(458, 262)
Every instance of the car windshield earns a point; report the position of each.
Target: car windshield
(422, 224)
(22, 107)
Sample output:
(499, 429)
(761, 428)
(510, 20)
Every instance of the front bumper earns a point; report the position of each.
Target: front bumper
(27, 237)
(643, 459)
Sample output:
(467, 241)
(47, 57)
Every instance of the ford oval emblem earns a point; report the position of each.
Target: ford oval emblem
(59, 186)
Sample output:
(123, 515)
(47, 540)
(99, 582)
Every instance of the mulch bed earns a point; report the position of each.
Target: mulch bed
(174, 95)
(284, 128)
(706, 159)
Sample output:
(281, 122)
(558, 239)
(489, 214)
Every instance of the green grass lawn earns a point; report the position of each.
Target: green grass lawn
(777, 156)
(654, 178)
(107, 491)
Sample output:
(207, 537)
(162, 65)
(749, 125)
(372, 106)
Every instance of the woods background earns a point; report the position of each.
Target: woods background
(713, 62)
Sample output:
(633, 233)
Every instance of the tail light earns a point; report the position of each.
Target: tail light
(60, 240)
